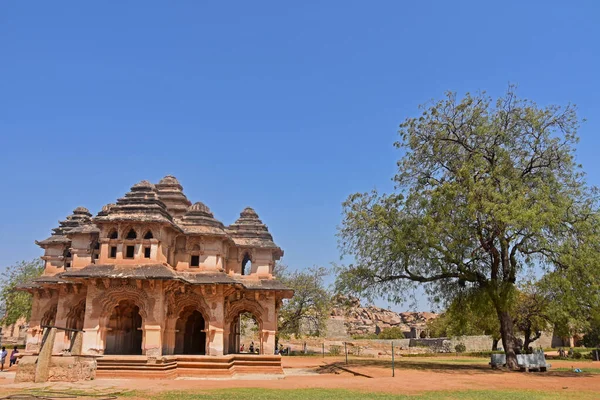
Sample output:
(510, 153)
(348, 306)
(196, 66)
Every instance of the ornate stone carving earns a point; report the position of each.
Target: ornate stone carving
(177, 301)
(109, 298)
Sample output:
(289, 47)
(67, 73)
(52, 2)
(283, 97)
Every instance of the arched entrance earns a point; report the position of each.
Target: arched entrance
(244, 334)
(191, 332)
(124, 331)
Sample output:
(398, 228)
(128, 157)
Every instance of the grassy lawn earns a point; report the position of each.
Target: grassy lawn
(322, 394)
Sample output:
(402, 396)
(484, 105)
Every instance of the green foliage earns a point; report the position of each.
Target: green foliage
(471, 312)
(391, 333)
(592, 334)
(335, 350)
(308, 310)
(485, 191)
(17, 304)
(460, 348)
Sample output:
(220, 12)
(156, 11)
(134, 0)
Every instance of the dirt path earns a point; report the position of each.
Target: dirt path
(412, 376)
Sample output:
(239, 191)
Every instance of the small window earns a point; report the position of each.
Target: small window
(113, 251)
(146, 252)
(113, 235)
(195, 261)
(68, 265)
(95, 256)
(129, 251)
(131, 234)
(148, 235)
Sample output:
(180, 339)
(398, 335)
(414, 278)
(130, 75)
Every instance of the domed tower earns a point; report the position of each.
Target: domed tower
(205, 240)
(70, 242)
(133, 230)
(253, 245)
(171, 193)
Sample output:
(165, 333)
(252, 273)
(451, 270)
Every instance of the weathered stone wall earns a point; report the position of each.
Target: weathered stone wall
(60, 369)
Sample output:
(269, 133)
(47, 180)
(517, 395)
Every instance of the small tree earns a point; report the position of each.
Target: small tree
(17, 304)
(308, 310)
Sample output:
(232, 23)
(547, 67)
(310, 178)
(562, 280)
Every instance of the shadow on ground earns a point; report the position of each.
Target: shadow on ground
(354, 366)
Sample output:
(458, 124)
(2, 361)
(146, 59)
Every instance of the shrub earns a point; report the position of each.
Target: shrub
(335, 350)
(460, 348)
(391, 333)
(577, 355)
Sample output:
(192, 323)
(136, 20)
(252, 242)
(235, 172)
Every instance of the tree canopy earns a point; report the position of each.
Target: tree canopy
(485, 190)
(17, 304)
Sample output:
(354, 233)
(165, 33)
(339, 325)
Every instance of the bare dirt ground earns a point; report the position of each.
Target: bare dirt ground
(413, 375)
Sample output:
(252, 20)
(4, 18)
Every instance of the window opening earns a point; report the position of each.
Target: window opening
(113, 235)
(195, 261)
(148, 235)
(113, 251)
(129, 251)
(131, 234)
(246, 265)
(146, 252)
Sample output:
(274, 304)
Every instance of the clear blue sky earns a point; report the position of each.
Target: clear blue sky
(287, 107)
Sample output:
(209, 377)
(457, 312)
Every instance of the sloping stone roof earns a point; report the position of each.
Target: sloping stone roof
(199, 220)
(141, 204)
(171, 193)
(79, 221)
(249, 231)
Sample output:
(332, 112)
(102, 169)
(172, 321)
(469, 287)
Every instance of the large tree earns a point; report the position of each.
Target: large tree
(17, 304)
(306, 312)
(484, 190)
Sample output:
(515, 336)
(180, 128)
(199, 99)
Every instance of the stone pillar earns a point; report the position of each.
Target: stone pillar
(267, 346)
(152, 341)
(215, 325)
(62, 310)
(169, 333)
(215, 341)
(93, 342)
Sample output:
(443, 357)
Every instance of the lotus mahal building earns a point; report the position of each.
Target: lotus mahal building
(154, 275)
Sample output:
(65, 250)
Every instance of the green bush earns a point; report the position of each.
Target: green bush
(391, 333)
(460, 348)
(577, 355)
(335, 350)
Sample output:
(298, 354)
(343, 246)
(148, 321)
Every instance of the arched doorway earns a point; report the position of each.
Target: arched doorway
(244, 334)
(124, 333)
(191, 332)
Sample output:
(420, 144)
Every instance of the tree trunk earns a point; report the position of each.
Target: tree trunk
(509, 341)
(495, 344)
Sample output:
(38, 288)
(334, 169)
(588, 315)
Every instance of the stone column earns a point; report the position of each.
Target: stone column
(267, 345)
(215, 326)
(169, 336)
(93, 342)
(62, 310)
(152, 337)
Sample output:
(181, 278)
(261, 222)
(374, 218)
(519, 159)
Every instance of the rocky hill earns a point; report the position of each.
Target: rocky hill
(359, 320)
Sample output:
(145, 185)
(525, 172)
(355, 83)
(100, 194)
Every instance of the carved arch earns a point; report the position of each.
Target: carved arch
(110, 298)
(76, 316)
(130, 227)
(245, 305)
(176, 302)
(49, 317)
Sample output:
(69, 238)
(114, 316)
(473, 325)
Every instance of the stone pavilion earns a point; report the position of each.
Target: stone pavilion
(154, 275)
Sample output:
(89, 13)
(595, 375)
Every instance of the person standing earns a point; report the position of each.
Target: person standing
(3, 355)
